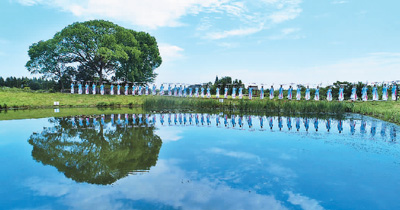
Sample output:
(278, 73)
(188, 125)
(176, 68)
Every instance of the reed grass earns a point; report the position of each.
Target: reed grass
(166, 102)
(245, 105)
(385, 110)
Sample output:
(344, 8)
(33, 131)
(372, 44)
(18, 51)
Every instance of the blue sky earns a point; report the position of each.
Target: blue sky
(258, 41)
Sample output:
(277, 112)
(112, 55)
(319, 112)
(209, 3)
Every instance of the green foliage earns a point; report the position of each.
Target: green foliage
(144, 57)
(94, 49)
(49, 59)
(101, 104)
(225, 82)
(33, 84)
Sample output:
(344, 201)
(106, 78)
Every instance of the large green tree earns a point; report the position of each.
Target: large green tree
(97, 49)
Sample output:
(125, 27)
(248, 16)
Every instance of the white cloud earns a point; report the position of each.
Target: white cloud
(29, 2)
(234, 32)
(280, 171)
(285, 156)
(234, 8)
(284, 15)
(287, 33)
(303, 201)
(240, 155)
(149, 13)
(165, 184)
(286, 10)
(228, 45)
(221, 15)
(254, 17)
(204, 25)
(168, 133)
(170, 52)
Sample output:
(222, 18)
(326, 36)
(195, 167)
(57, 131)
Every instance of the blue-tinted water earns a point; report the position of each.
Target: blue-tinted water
(187, 161)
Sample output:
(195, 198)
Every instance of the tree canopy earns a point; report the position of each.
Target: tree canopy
(96, 154)
(95, 50)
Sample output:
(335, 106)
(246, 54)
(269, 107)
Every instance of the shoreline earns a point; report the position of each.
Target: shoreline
(22, 100)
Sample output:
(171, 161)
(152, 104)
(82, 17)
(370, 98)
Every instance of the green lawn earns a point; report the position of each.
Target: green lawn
(20, 99)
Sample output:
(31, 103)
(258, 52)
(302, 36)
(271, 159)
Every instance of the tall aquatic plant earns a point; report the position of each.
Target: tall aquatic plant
(387, 110)
(271, 106)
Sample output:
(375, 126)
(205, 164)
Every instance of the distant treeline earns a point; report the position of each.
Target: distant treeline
(30, 83)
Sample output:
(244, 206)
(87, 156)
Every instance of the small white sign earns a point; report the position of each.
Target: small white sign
(221, 100)
(56, 103)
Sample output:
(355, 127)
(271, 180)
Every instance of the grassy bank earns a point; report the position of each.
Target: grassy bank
(18, 99)
(64, 112)
(385, 110)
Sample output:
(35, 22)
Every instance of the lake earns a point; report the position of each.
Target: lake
(199, 161)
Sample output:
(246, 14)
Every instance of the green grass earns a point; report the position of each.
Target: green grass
(64, 112)
(385, 110)
(20, 99)
(16, 98)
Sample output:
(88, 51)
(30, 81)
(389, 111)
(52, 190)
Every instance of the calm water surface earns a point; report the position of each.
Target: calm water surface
(199, 161)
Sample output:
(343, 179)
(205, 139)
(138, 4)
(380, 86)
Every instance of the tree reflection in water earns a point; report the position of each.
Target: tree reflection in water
(98, 152)
(104, 149)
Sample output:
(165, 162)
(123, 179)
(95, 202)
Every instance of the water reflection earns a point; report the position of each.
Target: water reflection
(87, 150)
(234, 121)
(352, 127)
(242, 122)
(224, 161)
(340, 126)
(328, 125)
(316, 124)
(103, 149)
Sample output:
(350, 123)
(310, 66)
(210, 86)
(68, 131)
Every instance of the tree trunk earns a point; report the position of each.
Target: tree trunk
(62, 86)
(60, 75)
(100, 72)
